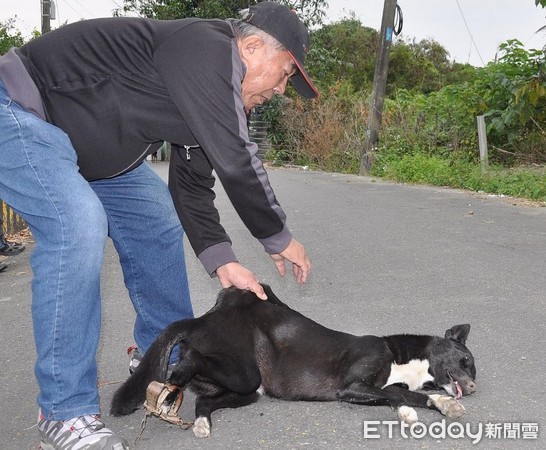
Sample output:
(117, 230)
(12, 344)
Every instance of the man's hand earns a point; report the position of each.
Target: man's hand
(295, 253)
(234, 274)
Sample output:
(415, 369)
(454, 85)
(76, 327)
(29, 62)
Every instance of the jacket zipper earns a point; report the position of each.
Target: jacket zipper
(188, 147)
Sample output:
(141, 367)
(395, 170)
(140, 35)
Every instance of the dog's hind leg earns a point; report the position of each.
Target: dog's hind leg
(225, 371)
(204, 406)
(221, 381)
(186, 368)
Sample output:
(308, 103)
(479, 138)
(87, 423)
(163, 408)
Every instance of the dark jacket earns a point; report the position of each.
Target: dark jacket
(119, 87)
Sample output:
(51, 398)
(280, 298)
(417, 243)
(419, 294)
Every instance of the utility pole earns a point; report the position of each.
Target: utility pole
(379, 87)
(45, 6)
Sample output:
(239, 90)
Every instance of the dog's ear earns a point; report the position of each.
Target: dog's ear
(458, 333)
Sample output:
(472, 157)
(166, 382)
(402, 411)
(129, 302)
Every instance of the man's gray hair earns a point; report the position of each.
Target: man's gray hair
(244, 29)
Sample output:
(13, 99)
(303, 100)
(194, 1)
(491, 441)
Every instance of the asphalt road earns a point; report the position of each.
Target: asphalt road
(388, 259)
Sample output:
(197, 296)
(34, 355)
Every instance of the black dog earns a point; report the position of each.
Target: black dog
(244, 345)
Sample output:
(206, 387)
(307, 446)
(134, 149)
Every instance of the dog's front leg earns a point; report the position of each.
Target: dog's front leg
(396, 397)
(393, 396)
(447, 405)
(363, 394)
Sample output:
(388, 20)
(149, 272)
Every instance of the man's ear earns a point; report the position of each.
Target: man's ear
(249, 45)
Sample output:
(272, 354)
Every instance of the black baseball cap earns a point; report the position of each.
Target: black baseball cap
(284, 25)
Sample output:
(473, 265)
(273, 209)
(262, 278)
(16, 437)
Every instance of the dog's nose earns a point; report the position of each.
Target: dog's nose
(471, 387)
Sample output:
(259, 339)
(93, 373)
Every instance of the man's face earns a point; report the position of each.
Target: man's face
(268, 71)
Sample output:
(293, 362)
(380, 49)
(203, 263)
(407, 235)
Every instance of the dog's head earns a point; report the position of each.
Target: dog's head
(452, 364)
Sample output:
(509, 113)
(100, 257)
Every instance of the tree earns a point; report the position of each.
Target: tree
(543, 4)
(9, 36)
(311, 11)
(421, 66)
(176, 9)
(343, 51)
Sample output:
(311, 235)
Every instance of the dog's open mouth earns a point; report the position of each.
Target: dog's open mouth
(455, 386)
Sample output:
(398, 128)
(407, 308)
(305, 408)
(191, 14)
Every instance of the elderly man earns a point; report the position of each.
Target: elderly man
(80, 109)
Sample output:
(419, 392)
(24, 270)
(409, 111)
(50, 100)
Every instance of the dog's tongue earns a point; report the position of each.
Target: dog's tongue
(458, 390)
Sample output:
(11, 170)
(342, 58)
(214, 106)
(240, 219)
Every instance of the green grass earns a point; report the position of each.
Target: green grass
(420, 168)
(528, 183)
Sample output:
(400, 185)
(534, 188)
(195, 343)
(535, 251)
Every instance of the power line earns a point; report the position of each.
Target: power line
(469, 32)
(72, 8)
(83, 7)
(87, 14)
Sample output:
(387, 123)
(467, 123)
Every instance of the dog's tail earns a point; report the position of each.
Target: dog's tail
(154, 365)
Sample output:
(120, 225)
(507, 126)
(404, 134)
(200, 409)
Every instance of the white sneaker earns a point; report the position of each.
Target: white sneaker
(79, 433)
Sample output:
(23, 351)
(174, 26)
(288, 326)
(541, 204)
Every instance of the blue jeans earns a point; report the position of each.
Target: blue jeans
(70, 220)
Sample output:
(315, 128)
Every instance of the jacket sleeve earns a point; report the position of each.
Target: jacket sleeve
(201, 67)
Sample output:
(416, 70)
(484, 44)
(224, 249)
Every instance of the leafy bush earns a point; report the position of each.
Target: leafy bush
(514, 89)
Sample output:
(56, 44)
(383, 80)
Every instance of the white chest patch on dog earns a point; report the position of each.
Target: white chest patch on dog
(414, 374)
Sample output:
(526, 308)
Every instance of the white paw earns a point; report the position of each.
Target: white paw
(448, 406)
(407, 414)
(201, 427)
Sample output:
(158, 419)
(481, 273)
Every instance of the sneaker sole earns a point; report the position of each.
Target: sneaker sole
(106, 445)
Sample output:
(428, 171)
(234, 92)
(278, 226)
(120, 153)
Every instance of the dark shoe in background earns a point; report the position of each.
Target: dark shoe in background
(10, 248)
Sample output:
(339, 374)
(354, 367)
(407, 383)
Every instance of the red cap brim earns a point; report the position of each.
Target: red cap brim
(301, 81)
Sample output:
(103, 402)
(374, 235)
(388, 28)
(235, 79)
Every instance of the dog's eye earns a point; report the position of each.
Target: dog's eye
(465, 362)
